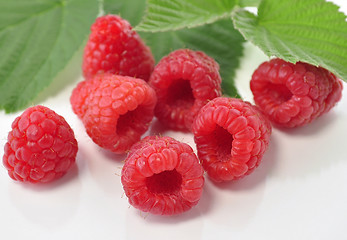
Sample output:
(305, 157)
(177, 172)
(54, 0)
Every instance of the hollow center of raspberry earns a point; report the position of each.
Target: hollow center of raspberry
(224, 143)
(165, 182)
(180, 94)
(130, 120)
(123, 123)
(279, 92)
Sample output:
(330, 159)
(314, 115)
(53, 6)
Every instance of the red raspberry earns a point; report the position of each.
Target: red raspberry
(115, 48)
(41, 146)
(184, 81)
(293, 95)
(115, 110)
(231, 137)
(162, 176)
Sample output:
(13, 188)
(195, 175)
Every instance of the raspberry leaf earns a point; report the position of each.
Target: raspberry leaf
(37, 39)
(131, 10)
(249, 3)
(311, 31)
(219, 40)
(164, 15)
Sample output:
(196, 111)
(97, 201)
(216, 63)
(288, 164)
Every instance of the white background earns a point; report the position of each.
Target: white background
(298, 192)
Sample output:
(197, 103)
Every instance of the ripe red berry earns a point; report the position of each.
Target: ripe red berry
(162, 176)
(41, 146)
(115, 110)
(292, 95)
(231, 137)
(114, 47)
(184, 81)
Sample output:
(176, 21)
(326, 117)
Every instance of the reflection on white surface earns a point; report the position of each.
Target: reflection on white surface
(298, 192)
(48, 205)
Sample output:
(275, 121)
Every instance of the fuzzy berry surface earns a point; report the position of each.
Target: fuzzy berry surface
(162, 176)
(231, 137)
(115, 110)
(114, 47)
(184, 81)
(293, 95)
(41, 147)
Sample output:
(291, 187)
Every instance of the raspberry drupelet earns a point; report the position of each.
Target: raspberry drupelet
(231, 137)
(41, 146)
(292, 95)
(114, 47)
(162, 176)
(184, 81)
(115, 110)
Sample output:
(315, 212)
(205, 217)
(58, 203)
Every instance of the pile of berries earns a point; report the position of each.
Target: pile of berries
(123, 90)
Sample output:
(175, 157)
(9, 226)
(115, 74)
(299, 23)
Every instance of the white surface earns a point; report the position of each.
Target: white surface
(298, 192)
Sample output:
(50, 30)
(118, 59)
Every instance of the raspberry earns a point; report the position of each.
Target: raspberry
(162, 176)
(115, 110)
(231, 137)
(292, 95)
(41, 146)
(184, 81)
(115, 48)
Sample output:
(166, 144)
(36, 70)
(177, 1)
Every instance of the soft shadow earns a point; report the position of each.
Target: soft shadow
(159, 129)
(50, 205)
(111, 156)
(312, 154)
(184, 226)
(318, 125)
(105, 168)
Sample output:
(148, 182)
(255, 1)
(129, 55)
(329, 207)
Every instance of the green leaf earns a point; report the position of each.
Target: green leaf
(311, 31)
(131, 10)
(37, 39)
(249, 3)
(219, 40)
(164, 15)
